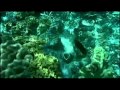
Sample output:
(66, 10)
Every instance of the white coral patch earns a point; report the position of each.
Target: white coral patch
(68, 47)
(86, 23)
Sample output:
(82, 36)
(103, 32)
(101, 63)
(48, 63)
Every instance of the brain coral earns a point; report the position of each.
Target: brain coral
(14, 60)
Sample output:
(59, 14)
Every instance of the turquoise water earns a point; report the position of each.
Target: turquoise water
(60, 44)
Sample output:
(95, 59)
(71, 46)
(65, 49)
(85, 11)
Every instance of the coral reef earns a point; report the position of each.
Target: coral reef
(33, 43)
(98, 68)
(14, 60)
(60, 44)
(99, 55)
(45, 67)
(20, 23)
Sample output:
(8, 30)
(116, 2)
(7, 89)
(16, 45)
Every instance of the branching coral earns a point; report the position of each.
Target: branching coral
(34, 44)
(44, 24)
(21, 23)
(45, 67)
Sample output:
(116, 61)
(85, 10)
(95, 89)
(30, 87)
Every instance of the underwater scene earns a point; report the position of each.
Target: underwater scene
(60, 44)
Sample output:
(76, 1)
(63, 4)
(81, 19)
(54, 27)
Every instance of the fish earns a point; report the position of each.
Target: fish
(80, 47)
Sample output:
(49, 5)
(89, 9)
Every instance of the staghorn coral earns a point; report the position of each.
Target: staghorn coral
(14, 60)
(44, 66)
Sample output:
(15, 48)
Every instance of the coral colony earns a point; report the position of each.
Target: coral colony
(60, 44)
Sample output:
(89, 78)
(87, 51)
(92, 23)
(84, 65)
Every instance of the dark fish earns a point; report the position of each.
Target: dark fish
(80, 47)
